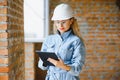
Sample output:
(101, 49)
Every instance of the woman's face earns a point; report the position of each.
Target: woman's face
(63, 25)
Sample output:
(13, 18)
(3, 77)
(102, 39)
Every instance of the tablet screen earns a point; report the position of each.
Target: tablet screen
(45, 55)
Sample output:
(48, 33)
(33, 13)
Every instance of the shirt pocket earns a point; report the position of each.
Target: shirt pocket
(51, 48)
(68, 53)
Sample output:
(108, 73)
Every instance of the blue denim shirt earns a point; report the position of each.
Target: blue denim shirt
(70, 49)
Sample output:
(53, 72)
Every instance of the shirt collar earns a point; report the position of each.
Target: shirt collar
(65, 34)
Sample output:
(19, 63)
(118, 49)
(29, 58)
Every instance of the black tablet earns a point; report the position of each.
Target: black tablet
(45, 55)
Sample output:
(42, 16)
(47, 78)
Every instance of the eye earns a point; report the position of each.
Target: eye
(57, 22)
(63, 22)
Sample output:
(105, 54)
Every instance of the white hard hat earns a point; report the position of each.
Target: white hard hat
(62, 12)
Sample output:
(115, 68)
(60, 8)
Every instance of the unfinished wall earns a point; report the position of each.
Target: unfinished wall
(11, 40)
(99, 22)
(29, 61)
(32, 72)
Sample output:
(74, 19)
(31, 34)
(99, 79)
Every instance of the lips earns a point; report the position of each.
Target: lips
(61, 28)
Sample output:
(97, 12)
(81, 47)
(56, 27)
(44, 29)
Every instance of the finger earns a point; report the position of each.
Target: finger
(60, 60)
(48, 59)
(52, 61)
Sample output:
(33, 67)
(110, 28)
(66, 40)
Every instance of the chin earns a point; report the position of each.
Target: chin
(61, 32)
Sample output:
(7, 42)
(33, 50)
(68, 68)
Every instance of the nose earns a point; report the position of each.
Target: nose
(60, 24)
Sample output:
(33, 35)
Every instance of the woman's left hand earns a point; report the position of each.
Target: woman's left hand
(59, 63)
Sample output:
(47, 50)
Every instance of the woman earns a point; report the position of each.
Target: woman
(67, 44)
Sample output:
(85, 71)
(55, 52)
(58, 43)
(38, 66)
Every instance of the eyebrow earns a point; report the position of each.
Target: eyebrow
(62, 20)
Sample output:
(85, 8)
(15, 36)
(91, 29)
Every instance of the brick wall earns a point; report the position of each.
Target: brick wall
(39, 74)
(99, 22)
(29, 61)
(32, 72)
(11, 40)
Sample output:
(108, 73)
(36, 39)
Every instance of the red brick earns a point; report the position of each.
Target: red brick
(96, 79)
(3, 26)
(3, 10)
(4, 77)
(84, 78)
(3, 35)
(3, 18)
(3, 3)
(4, 44)
(3, 51)
(11, 19)
(4, 69)
(83, 75)
(3, 60)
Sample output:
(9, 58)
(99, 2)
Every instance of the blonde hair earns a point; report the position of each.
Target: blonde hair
(74, 27)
